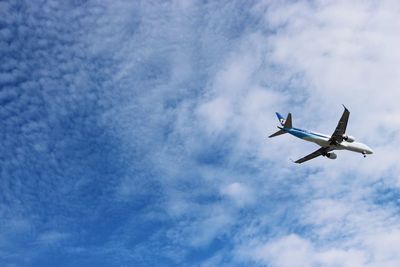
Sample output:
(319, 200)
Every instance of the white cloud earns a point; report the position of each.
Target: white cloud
(218, 113)
(51, 238)
(294, 251)
(239, 193)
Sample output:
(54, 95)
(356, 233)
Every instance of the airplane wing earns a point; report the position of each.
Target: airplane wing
(337, 136)
(315, 154)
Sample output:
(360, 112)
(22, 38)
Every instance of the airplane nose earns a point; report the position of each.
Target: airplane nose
(369, 150)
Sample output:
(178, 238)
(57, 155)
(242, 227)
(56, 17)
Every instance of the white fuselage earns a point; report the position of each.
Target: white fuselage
(324, 141)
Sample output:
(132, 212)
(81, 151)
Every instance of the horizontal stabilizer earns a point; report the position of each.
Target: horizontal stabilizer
(277, 133)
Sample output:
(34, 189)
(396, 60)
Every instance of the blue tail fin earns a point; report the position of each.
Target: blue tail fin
(286, 123)
(280, 118)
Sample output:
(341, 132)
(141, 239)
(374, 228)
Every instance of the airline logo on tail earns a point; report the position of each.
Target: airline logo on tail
(280, 118)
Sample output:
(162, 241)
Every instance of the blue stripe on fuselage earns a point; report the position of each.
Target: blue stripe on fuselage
(304, 133)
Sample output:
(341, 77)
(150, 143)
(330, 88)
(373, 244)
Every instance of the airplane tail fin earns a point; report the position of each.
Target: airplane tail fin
(288, 121)
(285, 123)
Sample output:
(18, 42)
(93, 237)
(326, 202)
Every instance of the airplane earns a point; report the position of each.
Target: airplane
(339, 140)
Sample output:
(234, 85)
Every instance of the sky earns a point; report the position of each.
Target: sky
(134, 133)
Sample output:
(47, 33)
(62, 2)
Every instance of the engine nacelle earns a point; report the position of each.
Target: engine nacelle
(348, 138)
(331, 155)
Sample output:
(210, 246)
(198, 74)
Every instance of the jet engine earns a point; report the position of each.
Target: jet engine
(331, 155)
(348, 138)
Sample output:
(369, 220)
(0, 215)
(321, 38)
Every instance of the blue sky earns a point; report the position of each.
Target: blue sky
(134, 133)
